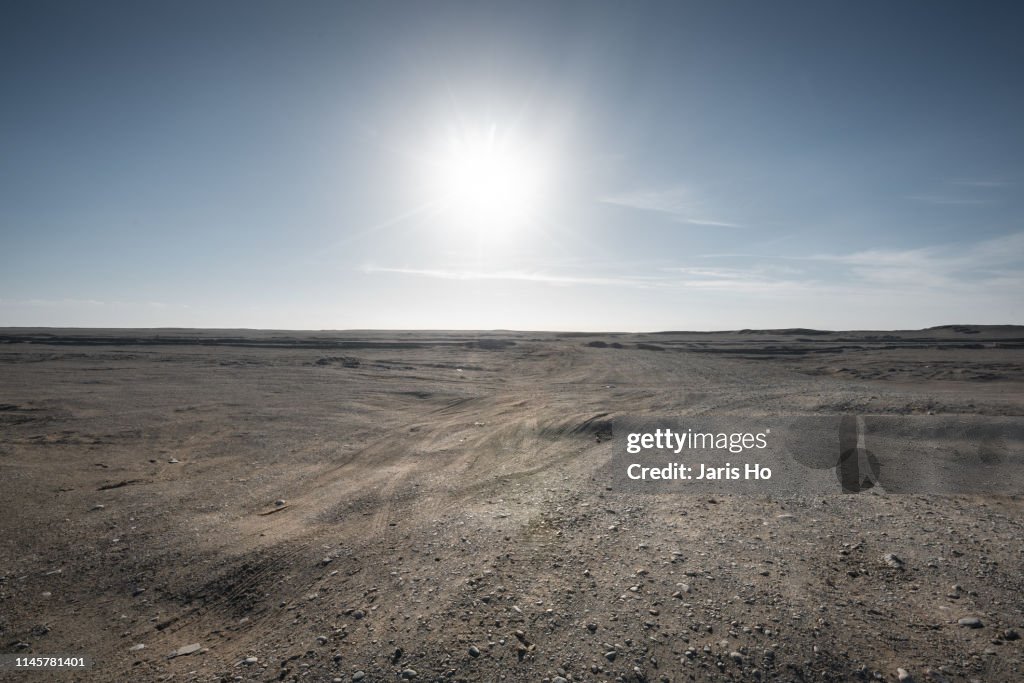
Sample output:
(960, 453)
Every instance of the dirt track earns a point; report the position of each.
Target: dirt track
(443, 511)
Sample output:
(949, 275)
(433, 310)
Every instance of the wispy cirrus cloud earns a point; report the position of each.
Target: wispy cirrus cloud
(947, 200)
(992, 266)
(682, 278)
(987, 263)
(980, 183)
(963, 192)
(515, 275)
(679, 201)
(705, 221)
(96, 303)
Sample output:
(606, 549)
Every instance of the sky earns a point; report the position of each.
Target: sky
(551, 165)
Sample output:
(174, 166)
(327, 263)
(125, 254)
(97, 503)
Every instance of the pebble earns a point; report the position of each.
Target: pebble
(322, 640)
(409, 673)
(279, 502)
(559, 679)
(137, 647)
(611, 655)
(904, 675)
(250, 661)
(174, 461)
(970, 622)
(185, 650)
(359, 675)
(893, 561)
(592, 628)
(474, 651)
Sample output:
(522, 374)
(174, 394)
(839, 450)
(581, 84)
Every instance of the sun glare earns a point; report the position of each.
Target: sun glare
(486, 184)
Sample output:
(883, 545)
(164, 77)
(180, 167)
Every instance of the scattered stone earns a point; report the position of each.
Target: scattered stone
(904, 675)
(249, 661)
(559, 679)
(98, 506)
(592, 628)
(409, 673)
(970, 622)
(322, 640)
(736, 656)
(358, 614)
(611, 655)
(185, 650)
(279, 502)
(174, 461)
(359, 675)
(474, 651)
(893, 561)
(137, 647)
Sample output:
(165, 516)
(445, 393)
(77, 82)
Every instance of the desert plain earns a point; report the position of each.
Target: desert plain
(221, 505)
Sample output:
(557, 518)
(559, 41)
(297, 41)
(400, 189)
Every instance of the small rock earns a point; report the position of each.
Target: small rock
(359, 675)
(1010, 634)
(280, 502)
(893, 561)
(98, 506)
(736, 656)
(904, 675)
(137, 647)
(185, 650)
(409, 673)
(558, 679)
(249, 661)
(592, 628)
(474, 651)
(611, 655)
(970, 622)
(322, 640)
(174, 461)
(358, 614)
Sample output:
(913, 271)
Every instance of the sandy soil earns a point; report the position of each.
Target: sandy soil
(431, 506)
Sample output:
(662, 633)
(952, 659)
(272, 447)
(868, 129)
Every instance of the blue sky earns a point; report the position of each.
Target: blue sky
(705, 165)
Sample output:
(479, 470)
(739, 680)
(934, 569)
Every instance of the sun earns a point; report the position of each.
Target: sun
(487, 183)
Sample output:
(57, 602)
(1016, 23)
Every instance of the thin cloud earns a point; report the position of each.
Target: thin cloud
(515, 275)
(704, 221)
(949, 201)
(980, 183)
(678, 202)
(86, 302)
(990, 266)
(988, 263)
(704, 279)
